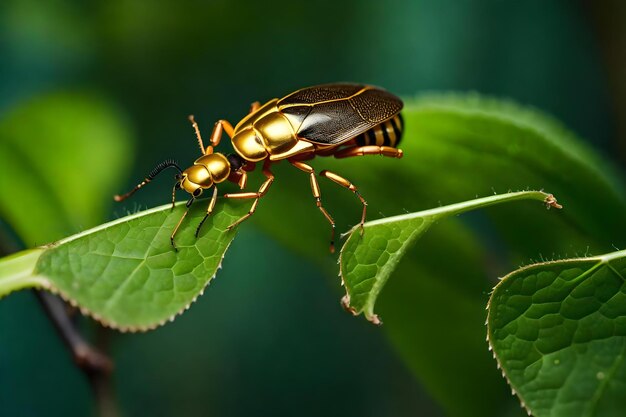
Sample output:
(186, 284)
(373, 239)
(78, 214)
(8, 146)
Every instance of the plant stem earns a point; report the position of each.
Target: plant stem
(96, 365)
(468, 205)
(16, 272)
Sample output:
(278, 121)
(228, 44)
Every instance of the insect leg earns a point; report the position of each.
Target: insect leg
(189, 203)
(209, 210)
(254, 107)
(243, 180)
(262, 191)
(174, 189)
(347, 184)
(315, 188)
(216, 134)
(369, 150)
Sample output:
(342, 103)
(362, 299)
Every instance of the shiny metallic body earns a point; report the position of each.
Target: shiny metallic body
(342, 120)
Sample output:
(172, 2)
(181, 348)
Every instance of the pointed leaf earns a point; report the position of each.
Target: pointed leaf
(125, 273)
(368, 259)
(558, 331)
(458, 146)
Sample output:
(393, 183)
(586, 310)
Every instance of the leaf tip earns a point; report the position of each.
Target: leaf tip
(345, 303)
(550, 201)
(374, 319)
(371, 317)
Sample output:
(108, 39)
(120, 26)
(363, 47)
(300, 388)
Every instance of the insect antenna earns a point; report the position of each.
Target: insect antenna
(156, 171)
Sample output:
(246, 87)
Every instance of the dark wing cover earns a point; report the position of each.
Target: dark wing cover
(334, 113)
(312, 95)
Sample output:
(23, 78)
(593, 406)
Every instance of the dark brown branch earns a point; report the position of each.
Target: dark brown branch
(96, 366)
(88, 358)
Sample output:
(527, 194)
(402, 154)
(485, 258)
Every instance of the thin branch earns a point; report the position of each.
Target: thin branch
(88, 358)
(96, 366)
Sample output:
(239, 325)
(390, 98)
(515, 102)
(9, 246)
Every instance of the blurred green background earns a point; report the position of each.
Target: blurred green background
(269, 337)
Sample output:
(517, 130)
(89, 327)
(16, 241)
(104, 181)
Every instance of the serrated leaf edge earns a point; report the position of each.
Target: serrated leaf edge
(135, 329)
(601, 259)
(429, 216)
(108, 323)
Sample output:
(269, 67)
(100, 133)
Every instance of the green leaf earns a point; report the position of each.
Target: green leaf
(425, 331)
(558, 331)
(63, 156)
(368, 259)
(125, 273)
(457, 147)
(473, 143)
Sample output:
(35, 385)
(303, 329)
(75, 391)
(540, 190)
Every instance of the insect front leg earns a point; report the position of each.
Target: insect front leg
(216, 134)
(315, 189)
(175, 188)
(243, 180)
(254, 107)
(262, 191)
(188, 205)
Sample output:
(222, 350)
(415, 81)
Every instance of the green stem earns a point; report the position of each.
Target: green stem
(612, 256)
(17, 271)
(464, 206)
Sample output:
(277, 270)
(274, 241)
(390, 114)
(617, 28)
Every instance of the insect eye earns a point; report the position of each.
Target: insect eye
(197, 192)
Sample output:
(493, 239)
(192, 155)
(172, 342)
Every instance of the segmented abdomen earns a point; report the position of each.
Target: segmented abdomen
(387, 133)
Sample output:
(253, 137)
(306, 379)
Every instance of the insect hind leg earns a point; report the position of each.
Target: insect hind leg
(369, 150)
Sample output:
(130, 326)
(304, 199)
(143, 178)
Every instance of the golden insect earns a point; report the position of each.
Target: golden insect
(340, 120)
